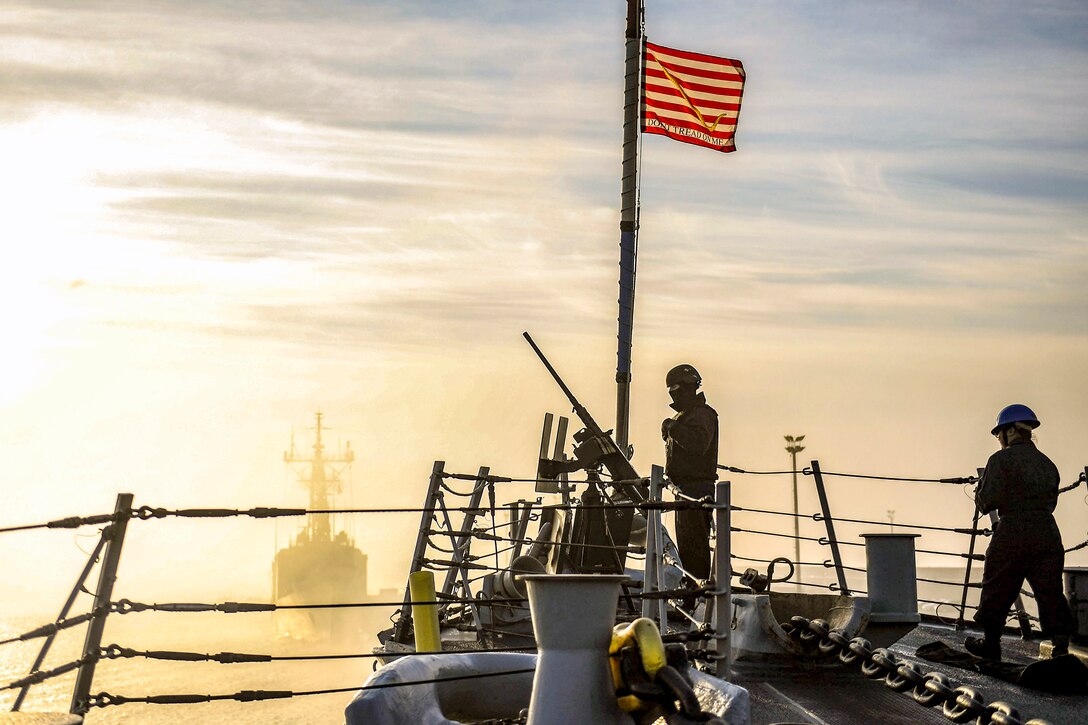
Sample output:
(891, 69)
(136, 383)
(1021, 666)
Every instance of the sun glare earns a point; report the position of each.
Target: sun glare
(43, 183)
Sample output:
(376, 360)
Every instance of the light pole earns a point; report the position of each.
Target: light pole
(793, 447)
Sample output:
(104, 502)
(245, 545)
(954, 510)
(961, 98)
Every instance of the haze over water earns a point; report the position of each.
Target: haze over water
(194, 633)
(220, 218)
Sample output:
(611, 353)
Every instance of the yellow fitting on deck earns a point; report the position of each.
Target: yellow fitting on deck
(642, 633)
(424, 616)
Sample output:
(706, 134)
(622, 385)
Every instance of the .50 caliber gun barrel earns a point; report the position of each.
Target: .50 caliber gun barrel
(614, 460)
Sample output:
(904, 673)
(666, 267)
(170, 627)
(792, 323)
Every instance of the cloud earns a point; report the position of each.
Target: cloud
(896, 167)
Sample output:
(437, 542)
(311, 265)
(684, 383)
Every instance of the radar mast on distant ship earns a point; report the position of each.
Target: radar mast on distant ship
(320, 565)
(322, 475)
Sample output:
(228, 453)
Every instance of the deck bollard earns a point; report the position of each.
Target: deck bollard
(424, 616)
(573, 615)
(891, 577)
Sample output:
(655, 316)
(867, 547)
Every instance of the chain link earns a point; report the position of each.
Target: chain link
(932, 689)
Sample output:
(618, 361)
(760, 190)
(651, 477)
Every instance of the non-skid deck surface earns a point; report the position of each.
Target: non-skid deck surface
(836, 694)
(833, 697)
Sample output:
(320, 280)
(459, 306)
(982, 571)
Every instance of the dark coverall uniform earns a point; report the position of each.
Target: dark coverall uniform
(1021, 483)
(691, 462)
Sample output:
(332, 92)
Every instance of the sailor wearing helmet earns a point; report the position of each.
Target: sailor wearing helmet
(691, 462)
(1021, 484)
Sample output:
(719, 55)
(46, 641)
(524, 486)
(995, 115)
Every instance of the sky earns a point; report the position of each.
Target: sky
(220, 217)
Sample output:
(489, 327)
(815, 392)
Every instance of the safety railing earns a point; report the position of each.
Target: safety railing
(479, 542)
(965, 589)
(479, 528)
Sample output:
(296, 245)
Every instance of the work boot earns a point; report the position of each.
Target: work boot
(1059, 645)
(987, 649)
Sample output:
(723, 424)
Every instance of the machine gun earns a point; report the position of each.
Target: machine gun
(600, 534)
(594, 447)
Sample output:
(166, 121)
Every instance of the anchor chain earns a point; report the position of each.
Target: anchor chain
(932, 689)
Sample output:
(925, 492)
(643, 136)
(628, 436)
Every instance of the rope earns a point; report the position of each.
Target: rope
(105, 699)
(454, 492)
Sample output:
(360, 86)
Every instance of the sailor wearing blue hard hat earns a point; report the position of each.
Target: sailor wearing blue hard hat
(1021, 484)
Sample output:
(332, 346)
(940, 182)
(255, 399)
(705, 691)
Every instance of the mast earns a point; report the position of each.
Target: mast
(322, 482)
(628, 218)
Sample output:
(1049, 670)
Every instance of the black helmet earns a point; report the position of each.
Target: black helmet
(682, 374)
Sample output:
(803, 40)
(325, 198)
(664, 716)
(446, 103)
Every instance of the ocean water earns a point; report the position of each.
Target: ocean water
(196, 632)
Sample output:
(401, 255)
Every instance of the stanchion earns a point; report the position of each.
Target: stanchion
(652, 573)
(829, 523)
(103, 594)
(723, 572)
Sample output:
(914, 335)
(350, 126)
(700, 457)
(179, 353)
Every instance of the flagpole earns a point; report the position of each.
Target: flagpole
(628, 218)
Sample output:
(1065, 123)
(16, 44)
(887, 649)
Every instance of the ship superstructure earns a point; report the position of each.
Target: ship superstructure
(320, 564)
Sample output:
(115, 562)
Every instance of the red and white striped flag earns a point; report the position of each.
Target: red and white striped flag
(691, 97)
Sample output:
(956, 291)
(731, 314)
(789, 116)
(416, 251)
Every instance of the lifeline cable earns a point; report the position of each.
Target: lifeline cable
(507, 479)
(952, 530)
(147, 512)
(808, 472)
(820, 517)
(834, 587)
(71, 522)
(40, 676)
(734, 469)
(1078, 547)
(115, 651)
(481, 535)
(127, 606)
(956, 480)
(47, 629)
(1080, 479)
(105, 699)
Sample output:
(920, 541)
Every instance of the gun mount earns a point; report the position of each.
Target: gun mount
(600, 533)
(594, 448)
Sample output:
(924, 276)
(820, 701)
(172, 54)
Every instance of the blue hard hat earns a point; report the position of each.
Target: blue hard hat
(1015, 413)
